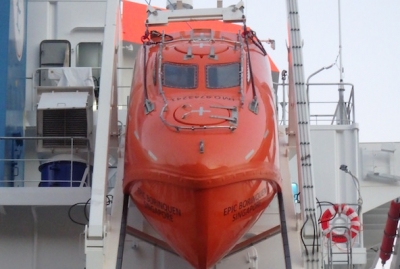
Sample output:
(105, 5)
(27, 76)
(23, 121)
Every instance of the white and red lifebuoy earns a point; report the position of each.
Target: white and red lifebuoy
(330, 214)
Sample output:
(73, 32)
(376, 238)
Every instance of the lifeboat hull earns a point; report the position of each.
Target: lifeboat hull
(201, 160)
(202, 225)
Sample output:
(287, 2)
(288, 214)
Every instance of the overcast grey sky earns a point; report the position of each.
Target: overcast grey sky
(370, 51)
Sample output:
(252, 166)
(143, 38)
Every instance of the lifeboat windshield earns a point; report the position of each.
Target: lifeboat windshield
(221, 76)
(181, 76)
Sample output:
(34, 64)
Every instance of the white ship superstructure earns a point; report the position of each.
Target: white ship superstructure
(65, 80)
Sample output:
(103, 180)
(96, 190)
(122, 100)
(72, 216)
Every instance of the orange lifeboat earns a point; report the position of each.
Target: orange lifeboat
(201, 158)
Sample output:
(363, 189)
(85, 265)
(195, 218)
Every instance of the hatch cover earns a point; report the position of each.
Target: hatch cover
(201, 114)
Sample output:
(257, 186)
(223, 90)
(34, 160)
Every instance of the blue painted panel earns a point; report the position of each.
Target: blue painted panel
(12, 87)
(4, 42)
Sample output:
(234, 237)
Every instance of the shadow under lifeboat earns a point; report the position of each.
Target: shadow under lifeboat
(201, 158)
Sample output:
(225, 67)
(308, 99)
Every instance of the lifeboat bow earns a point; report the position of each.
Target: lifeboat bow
(201, 158)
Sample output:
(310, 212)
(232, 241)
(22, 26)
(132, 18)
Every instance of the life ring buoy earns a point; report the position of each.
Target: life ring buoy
(329, 215)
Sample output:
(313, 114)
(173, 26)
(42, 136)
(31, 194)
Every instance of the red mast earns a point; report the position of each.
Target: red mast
(389, 233)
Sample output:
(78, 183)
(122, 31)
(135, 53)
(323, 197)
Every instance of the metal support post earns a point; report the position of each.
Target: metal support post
(284, 232)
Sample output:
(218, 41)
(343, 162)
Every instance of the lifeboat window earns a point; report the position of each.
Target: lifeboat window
(223, 75)
(180, 76)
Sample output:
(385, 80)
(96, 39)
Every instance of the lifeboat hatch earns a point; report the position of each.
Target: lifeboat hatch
(202, 115)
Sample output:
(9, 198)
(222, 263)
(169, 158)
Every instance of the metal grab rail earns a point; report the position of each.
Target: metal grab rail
(347, 251)
(233, 120)
(72, 158)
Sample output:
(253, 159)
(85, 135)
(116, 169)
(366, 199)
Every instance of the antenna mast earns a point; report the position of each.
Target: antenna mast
(342, 114)
(340, 44)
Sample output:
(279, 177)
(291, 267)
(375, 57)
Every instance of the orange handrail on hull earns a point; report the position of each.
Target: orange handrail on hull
(201, 158)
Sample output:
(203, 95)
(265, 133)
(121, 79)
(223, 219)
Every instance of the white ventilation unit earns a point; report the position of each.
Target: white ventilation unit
(65, 118)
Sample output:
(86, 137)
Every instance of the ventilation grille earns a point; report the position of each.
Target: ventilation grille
(64, 123)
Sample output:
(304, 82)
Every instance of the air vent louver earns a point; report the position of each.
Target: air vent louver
(64, 123)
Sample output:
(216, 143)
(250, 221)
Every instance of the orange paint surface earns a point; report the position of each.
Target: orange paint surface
(201, 167)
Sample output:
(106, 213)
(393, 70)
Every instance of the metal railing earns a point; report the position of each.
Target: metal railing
(325, 105)
(15, 168)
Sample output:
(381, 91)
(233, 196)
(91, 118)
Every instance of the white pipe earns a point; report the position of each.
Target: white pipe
(340, 44)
